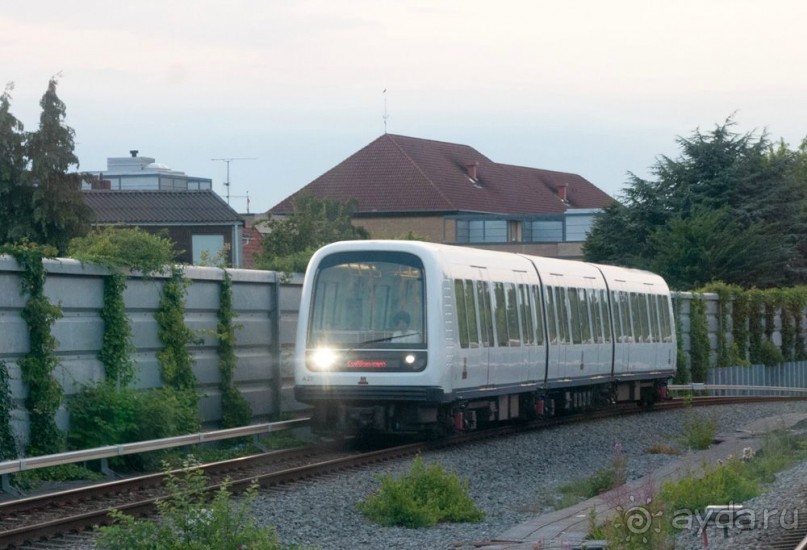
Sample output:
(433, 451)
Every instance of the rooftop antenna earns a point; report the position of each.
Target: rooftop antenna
(385, 116)
(227, 161)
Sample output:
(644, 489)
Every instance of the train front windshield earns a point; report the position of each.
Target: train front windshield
(367, 301)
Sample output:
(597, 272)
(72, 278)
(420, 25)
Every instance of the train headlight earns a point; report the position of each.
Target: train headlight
(410, 359)
(323, 359)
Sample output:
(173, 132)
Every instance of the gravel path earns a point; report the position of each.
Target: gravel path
(512, 480)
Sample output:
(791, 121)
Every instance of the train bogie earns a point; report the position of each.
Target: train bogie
(403, 336)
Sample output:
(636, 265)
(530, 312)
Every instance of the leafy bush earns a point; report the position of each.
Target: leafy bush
(188, 520)
(132, 248)
(769, 354)
(102, 415)
(424, 497)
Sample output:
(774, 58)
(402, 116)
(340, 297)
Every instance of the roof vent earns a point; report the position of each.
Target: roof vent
(134, 152)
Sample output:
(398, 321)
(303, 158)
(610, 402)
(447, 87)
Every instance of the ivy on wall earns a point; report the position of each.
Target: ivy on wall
(753, 315)
(117, 348)
(176, 363)
(235, 410)
(699, 348)
(8, 447)
(37, 366)
(681, 367)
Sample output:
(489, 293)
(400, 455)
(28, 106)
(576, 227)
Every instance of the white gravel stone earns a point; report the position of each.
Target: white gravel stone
(512, 480)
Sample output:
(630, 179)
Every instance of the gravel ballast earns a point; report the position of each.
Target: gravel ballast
(511, 480)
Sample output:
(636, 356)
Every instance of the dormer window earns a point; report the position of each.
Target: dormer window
(470, 171)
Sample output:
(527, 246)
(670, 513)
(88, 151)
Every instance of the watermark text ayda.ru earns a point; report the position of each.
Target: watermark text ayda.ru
(742, 518)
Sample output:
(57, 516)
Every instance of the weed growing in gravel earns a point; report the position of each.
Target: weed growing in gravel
(425, 496)
(188, 519)
(599, 482)
(699, 430)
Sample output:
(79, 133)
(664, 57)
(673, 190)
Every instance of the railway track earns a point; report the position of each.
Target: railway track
(27, 521)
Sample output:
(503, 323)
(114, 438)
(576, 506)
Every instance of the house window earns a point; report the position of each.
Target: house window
(209, 246)
(578, 226)
(482, 231)
(545, 231)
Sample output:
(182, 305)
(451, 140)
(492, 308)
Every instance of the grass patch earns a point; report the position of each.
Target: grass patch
(285, 439)
(423, 497)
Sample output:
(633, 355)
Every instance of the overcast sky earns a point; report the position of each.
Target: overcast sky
(591, 87)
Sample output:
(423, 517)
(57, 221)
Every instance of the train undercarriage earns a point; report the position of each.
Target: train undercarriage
(351, 417)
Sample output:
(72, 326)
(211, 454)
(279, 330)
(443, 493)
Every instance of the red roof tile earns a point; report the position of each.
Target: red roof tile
(398, 174)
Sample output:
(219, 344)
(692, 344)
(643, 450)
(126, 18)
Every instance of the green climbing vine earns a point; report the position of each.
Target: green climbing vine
(176, 363)
(37, 366)
(235, 410)
(753, 315)
(117, 348)
(8, 447)
(698, 339)
(681, 368)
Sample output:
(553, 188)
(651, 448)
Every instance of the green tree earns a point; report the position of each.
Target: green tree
(59, 210)
(15, 197)
(724, 189)
(292, 241)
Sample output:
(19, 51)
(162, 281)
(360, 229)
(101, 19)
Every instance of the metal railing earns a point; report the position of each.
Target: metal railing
(101, 453)
(700, 386)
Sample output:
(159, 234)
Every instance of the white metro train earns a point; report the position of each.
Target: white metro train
(409, 337)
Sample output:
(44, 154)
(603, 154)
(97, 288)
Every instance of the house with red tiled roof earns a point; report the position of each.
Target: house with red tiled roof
(452, 193)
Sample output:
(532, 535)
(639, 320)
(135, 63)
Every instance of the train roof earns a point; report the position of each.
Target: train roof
(616, 276)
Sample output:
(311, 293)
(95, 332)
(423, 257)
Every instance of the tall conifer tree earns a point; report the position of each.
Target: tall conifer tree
(59, 212)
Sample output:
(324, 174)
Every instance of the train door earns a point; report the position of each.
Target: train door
(598, 351)
(557, 311)
(471, 369)
(623, 331)
(534, 356)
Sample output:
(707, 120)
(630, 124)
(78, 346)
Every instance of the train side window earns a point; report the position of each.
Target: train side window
(551, 314)
(470, 308)
(539, 316)
(500, 314)
(664, 314)
(596, 314)
(562, 306)
(576, 317)
(527, 315)
(616, 311)
(609, 333)
(638, 308)
(627, 325)
(655, 330)
(585, 317)
(513, 330)
(462, 316)
(485, 313)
